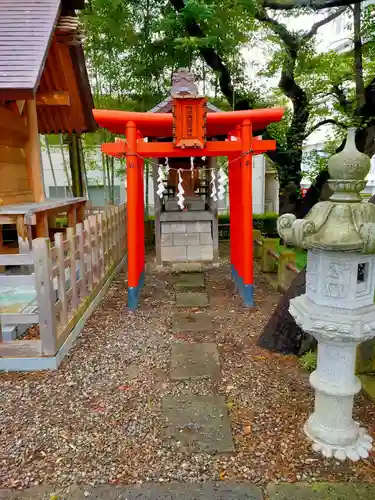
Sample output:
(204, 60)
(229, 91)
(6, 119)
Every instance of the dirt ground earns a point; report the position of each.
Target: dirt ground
(98, 420)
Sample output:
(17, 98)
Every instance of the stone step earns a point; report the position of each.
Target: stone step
(191, 322)
(224, 490)
(190, 280)
(194, 361)
(320, 491)
(191, 299)
(197, 424)
(187, 267)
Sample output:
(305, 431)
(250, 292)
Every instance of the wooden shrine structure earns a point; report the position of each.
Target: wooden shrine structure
(194, 133)
(199, 218)
(44, 89)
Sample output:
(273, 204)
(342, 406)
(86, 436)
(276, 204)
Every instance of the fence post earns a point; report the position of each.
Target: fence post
(257, 237)
(268, 264)
(82, 263)
(284, 275)
(61, 281)
(45, 295)
(71, 237)
(93, 224)
(88, 254)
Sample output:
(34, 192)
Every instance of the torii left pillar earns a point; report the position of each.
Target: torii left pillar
(135, 217)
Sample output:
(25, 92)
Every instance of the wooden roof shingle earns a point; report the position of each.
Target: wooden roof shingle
(26, 28)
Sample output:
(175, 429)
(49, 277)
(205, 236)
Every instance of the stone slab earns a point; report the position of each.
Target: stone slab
(198, 424)
(200, 252)
(173, 227)
(186, 239)
(191, 280)
(173, 253)
(191, 322)
(321, 491)
(194, 361)
(223, 490)
(193, 216)
(191, 299)
(198, 227)
(205, 239)
(187, 267)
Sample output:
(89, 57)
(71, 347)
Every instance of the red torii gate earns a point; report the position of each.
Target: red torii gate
(239, 146)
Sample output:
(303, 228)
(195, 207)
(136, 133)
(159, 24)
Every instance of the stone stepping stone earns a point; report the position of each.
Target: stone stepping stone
(187, 267)
(191, 299)
(223, 490)
(188, 280)
(191, 322)
(193, 361)
(339, 491)
(200, 424)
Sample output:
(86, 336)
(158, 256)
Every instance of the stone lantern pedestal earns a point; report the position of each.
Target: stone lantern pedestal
(338, 307)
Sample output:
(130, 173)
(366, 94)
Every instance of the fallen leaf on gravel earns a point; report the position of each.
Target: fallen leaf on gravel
(124, 387)
(247, 430)
(230, 405)
(222, 476)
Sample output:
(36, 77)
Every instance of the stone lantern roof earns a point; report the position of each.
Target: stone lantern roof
(345, 222)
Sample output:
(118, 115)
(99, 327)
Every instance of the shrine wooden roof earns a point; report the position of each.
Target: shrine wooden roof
(166, 107)
(41, 56)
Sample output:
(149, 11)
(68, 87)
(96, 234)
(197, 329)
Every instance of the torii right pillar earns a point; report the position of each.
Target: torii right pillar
(241, 215)
(247, 214)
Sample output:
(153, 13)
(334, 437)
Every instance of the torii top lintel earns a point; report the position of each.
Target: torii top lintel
(160, 124)
(189, 124)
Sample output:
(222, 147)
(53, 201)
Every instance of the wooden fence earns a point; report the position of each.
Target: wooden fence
(282, 265)
(67, 277)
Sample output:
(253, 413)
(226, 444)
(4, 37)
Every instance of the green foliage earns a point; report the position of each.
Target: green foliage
(308, 361)
(316, 161)
(266, 223)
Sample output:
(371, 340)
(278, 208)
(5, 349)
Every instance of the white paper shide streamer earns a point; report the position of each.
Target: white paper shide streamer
(161, 177)
(166, 164)
(213, 185)
(160, 181)
(180, 194)
(191, 163)
(222, 182)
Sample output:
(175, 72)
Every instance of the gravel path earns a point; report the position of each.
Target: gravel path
(98, 419)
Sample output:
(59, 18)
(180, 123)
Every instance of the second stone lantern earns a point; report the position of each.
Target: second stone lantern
(338, 307)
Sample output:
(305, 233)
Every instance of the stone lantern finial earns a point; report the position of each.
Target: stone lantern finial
(348, 171)
(343, 222)
(338, 307)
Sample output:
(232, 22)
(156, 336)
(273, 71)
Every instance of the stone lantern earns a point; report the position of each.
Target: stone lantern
(338, 307)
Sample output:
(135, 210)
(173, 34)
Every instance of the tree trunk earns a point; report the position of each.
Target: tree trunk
(76, 166)
(281, 333)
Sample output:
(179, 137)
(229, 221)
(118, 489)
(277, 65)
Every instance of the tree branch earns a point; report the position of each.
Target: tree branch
(312, 4)
(341, 97)
(209, 54)
(314, 28)
(278, 28)
(328, 121)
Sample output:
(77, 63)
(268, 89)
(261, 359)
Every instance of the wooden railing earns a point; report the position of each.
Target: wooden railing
(282, 265)
(67, 277)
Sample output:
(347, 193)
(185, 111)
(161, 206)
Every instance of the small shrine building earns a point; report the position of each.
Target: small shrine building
(183, 145)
